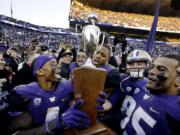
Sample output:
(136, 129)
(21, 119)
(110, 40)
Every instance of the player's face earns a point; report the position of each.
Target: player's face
(134, 66)
(100, 57)
(162, 75)
(51, 70)
(81, 58)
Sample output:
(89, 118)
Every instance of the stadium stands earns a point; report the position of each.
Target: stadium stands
(20, 33)
(129, 20)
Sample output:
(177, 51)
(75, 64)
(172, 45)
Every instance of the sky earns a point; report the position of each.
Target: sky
(52, 13)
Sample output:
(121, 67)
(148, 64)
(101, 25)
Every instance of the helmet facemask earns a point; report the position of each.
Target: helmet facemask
(136, 72)
(138, 62)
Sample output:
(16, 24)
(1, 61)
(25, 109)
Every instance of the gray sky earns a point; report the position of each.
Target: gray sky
(53, 13)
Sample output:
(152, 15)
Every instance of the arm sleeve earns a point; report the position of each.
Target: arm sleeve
(116, 97)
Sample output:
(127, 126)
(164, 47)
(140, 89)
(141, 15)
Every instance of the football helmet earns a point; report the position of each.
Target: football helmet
(138, 56)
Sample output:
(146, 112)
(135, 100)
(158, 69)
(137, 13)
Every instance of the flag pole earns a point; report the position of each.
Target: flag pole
(152, 34)
(11, 10)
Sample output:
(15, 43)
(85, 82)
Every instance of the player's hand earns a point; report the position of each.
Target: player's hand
(74, 118)
(103, 104)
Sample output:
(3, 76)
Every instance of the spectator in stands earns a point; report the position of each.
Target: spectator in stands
(13, 58)
(65, 60)
(40, 49)
(5, 73)
(32, 45)
(122, 18)
(5, 86)
(25, 74)
(52, 51)
(118, 59)
(81, 58)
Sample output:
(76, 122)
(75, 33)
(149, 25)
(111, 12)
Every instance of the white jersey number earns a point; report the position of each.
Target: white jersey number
(128, 106)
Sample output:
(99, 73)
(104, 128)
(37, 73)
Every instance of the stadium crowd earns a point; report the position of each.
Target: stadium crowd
(80, 11)
(20, 35)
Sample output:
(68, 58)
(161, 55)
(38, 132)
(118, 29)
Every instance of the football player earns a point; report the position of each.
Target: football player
(47, 101)
(155, 112)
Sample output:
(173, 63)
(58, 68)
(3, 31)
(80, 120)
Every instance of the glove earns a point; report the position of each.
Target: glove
(100, 101)
(2, 81)
(74, 118)
(103, 104)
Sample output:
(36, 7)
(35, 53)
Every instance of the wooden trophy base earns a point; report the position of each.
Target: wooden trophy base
(88, 82)
(97, 129)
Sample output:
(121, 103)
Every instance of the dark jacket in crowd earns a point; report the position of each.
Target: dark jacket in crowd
(23, 76)
(65, 71)
(12, 62)
(8, 75)
(5, 119)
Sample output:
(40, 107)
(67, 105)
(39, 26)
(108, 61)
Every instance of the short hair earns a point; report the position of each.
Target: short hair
(173, 56)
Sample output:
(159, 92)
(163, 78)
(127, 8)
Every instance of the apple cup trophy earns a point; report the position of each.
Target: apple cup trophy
(88, 81)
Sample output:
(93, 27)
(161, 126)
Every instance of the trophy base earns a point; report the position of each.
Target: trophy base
(97, 129)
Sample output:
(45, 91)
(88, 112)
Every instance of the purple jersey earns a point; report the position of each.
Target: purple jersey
(73, 65)
(41, 101)
(107, 67)
(145, 114)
